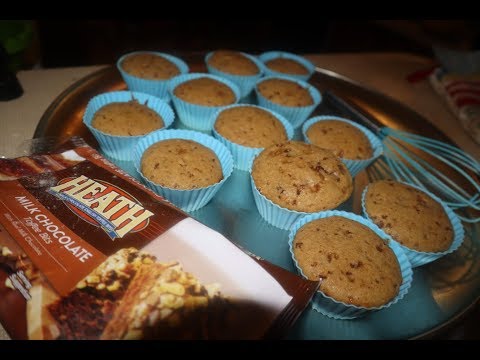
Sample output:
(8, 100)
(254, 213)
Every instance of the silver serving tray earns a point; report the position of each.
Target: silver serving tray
(442, 293)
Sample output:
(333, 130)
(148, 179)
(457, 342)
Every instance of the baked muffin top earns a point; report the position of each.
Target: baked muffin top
(354, 264)
(343, 139)
(285, 92)
(233, 62)
(409, 216)
(205, 91)
(301, 177)
(286, 66)
(181, 164)
(250, 126)
(126, 119)
(149, 66)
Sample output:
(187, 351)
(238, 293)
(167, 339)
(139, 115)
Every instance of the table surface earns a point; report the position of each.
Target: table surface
(384, 72)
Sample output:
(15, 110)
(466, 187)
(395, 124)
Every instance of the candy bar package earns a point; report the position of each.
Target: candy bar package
(87, 252)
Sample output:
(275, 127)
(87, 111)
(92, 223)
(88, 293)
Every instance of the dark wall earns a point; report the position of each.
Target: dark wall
(69, 43)
(73, 43)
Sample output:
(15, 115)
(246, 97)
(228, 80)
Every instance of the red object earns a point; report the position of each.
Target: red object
(420, 75)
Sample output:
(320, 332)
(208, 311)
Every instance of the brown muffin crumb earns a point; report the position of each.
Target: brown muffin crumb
(233, 62)
(285, 92)
(181, 164)
(250, 126)
(149, 66)
(354, 264)
(127, 119)
(286, 66)
(409, 215)
(205, 91)
(301, 177)
(344, 140)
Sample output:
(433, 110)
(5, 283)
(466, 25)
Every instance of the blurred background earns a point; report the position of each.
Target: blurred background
(47, 43)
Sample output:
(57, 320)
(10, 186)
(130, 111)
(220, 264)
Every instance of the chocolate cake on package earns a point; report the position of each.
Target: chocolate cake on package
(84, 313)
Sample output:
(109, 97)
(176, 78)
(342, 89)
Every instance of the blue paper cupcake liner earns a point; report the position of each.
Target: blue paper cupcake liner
(157, 88)
(121, 147)
(281, 217)
(340, 310)
(243, 155)
(295, 114)
(354, 166)
(283, 54)
(198, 117)
(419, 258)
(187, 200)
(244, 82)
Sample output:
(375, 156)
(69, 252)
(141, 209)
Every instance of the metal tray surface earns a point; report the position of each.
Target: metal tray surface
(441, 293)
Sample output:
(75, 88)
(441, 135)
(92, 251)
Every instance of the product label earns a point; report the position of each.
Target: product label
(102, 218)
(102, 204)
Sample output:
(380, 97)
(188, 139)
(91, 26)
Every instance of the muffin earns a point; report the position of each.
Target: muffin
(205, 91)
(185, 167)
(233, 62)
(359, 270)
(150, 72)
(301, 177)
(181, 164)
(198, 96)
(246, 129)
(343, 139)
(292, 179)
(118, 119)
(126, 119)
(287, 64)
(354, 264)
(250, 126)
(409, 215)
(149, 66)
(357, 146)
(294, 99)
(242, 69)
(285, 92)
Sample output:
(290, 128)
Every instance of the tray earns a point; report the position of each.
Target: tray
(441, 292)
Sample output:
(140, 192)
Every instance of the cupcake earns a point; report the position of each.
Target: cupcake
(185, 167)
(197, 97)
(357, 146)
(287, 64)
(150, 72)
(181, 164)
(248, 129)
(358, 268)
(294, 99)
(293, 179)
(419, 221)
(240, 68)
(126, 119)
(119, 119)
